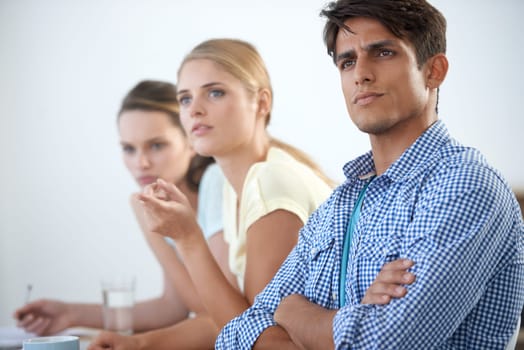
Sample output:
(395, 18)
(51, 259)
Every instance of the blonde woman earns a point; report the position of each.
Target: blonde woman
(225, 98)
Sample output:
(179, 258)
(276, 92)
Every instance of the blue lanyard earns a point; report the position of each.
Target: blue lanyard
(347, 244)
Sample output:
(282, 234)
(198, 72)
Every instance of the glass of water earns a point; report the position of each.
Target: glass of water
(118, 295)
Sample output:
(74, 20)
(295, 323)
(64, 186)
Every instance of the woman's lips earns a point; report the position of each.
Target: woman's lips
(146, 179)
(200, 129)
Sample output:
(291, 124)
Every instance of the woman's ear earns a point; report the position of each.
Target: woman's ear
(264, 102)
(437, 70)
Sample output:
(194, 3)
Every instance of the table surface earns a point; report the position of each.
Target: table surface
(15, 336)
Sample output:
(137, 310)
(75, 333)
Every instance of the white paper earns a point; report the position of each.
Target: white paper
(13, 336)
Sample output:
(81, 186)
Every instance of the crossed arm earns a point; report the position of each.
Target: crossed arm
(292, 332)
(441, 236)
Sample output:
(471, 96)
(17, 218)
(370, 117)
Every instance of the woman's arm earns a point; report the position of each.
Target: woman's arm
(176, 300)
(220, 250)
(175, 218)
(269, 241)
(179, 293)
(46, 317)
(178, 296)
(194, 333)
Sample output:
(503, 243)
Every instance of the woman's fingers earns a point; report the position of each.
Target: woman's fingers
(170, 190)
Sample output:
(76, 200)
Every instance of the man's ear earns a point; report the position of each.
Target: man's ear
(437, 69)
(264, 102)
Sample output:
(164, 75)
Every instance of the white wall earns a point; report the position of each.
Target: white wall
(65, 65)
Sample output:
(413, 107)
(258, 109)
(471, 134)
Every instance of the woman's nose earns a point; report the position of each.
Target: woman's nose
(143, 160)
(196, 109)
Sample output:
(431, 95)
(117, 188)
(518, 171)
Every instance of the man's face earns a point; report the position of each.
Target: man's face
(384, 89)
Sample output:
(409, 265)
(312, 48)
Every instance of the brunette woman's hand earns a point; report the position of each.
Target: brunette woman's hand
(44, 317)
(114, 341)
(390, 282)
(167, 211)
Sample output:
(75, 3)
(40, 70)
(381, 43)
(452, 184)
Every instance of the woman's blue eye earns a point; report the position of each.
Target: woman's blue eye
(216, 93)
(184, 100)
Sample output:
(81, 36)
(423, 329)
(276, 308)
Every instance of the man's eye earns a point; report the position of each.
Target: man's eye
(385, 53)
(347, 64)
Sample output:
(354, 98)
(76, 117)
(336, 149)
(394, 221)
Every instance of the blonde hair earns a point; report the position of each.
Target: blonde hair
(242, 61)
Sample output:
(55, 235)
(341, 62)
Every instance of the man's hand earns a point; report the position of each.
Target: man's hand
(390, 282)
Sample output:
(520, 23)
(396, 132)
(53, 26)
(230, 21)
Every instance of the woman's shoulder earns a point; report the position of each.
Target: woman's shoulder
(281, 173)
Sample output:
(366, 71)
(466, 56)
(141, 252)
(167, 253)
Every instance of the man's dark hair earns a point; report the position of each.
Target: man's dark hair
(414, 20)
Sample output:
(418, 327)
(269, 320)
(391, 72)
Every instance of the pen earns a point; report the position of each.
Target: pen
(28, 293)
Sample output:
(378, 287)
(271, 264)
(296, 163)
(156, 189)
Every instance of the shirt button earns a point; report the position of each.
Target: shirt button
(313, 251)
(334, 296)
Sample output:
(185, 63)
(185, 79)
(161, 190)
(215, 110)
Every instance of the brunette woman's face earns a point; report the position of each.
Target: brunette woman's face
(153, 147)
(217, 111)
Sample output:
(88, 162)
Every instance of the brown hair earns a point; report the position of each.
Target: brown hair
(154, 95)
(242, 60)
(415, 20)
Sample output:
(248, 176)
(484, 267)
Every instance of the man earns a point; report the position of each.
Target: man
(417, 195)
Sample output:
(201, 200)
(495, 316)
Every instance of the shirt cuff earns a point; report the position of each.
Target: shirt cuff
(243, 331)
(346, 329)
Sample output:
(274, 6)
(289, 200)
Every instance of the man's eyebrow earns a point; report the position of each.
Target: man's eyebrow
(369, 47)
(344, 55)
(379, 44)
(213, 83)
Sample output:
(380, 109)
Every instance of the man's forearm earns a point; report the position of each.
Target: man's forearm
(308, 325)
(274, 338)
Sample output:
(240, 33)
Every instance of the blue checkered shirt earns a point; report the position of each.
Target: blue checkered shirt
(440, 205)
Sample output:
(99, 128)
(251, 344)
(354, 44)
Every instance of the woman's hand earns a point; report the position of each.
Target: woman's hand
(44, 317)
(169, 213)
(114, 341)
(390, 282)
